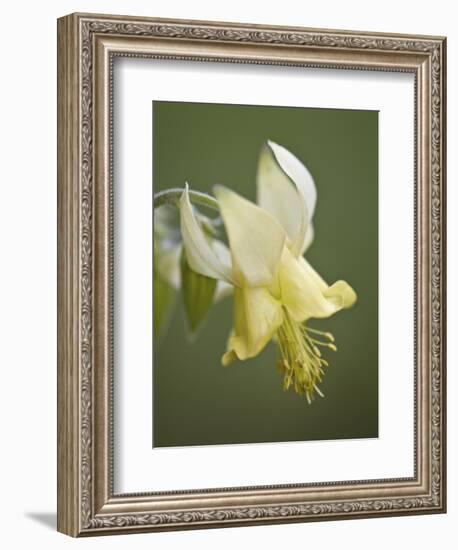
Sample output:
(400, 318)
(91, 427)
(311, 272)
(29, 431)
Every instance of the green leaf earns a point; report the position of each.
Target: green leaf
(198, 292)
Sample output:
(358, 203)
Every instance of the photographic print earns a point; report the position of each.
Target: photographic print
(251, 274)
(265, 274)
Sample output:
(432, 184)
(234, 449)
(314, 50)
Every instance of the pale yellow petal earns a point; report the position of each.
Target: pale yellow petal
(341, 294)
(199, 253)
(222, 251)
(256, 238)
(303, 210)
(257, 316)
(277, 194)
(305, 294)
(309, 235)
(223, 289)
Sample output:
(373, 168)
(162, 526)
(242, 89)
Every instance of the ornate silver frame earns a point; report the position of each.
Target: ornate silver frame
(87, 44)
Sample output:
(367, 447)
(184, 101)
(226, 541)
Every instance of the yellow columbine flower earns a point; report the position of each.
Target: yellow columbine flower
(275, 289)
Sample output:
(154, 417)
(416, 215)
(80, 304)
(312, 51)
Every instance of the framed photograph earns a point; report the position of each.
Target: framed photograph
(251, 289)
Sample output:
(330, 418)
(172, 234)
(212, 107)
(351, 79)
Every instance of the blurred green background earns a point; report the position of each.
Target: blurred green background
(196, 400)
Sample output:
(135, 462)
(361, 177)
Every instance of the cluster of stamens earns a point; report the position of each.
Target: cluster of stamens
(301, 362)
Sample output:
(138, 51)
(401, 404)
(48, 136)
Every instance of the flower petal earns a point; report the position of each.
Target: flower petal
(257, 316)
(341, 294)
(223, 289)
(256, 238)
(200, 255)
(305, 294)
(277, 196)
(221, 251)
(309, 235)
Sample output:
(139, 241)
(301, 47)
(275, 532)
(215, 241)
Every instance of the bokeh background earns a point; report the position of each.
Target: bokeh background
(196, 401)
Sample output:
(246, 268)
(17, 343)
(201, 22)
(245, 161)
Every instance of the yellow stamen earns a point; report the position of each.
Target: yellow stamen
(301, 362)
(327, 335)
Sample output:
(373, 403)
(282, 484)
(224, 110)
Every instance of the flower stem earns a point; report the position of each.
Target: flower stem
(172, 197)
